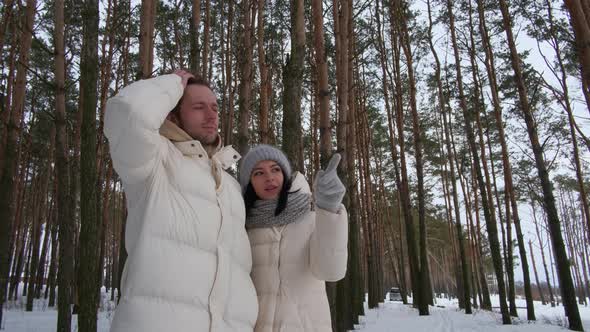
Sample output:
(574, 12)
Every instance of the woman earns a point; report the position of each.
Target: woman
(295, 247)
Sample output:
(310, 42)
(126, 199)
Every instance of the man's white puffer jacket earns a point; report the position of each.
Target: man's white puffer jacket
(189, 259)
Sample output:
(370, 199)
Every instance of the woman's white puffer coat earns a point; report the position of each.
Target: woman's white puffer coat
(189, 263)
(290, 265)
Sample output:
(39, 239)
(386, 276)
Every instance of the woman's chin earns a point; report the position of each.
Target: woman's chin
(270, 196)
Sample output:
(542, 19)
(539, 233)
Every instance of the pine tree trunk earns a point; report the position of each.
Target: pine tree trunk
(36, 231)
(539, 288)
(541, 247)
(567, 287)
(565, 101)
(424, 275)
(6, 18)
(459, 228)
(52, 274)
(90, 227)
(195, 26)
(7, 198)
(65, 207)
(245, 65)
(228, 92)
(293, 86)
(40, 278)
(395, 12)
(206, 39)
(322, 77)
(356, 289)
(265, 83)
(5, 116)
(146, 38)
(581, 26)
(488, 211)
(122, 248)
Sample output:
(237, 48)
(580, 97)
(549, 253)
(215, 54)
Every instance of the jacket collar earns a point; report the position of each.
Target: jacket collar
(299, 184)
(226, 156)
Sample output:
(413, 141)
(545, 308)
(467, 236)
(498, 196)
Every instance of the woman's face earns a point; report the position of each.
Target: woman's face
(267, 179)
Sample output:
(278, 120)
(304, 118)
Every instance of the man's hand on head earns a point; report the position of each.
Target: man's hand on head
(184, 76)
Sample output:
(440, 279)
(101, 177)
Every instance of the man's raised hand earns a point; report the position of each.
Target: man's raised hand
(184, 76)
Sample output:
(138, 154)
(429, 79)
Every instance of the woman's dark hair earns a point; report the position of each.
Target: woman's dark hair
(250, 197)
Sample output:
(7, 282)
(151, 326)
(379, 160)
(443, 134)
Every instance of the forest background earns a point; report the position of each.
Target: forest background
(463, 127)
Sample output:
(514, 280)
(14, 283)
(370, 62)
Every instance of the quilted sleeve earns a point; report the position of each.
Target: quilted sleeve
(329, 245)
(132, 120)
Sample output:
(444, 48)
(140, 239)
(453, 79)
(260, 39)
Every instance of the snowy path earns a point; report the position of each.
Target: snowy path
(390, 316)
(395, 316)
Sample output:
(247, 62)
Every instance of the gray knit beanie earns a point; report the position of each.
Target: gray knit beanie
(259, 153)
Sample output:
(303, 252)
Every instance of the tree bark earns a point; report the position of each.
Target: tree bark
(405, 192)
(195, 36)
(424, 275)
(488, 211)
(90, 228)
(245, 65)
(39, 218)
(459, 229)
(539, 287)
(65, 202)
(265, 83)
(14, 128)
(293, 83)
(206, 39)
(580, 24)
(146, 38)
(322, 77)
(567, 287)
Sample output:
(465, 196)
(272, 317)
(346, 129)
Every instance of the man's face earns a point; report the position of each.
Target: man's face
(198, 115)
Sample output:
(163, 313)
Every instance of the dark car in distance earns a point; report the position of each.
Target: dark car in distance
(394, 294)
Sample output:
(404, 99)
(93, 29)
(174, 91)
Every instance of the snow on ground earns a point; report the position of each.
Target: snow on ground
(390, 316)
(446, 317)
(44, 319)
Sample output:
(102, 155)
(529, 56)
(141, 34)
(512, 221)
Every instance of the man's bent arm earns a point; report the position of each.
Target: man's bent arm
(132, 120)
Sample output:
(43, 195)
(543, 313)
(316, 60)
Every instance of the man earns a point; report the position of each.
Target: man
(189, 259)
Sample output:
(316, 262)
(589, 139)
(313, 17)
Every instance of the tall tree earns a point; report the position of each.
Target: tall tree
(580, 21)
(246, 76)
(8, 169)
(206, 39)
(488, 211)
(90, 228)
(395, 17)
(322, 77)
(146, 38)
(563, 269)
(65, 206)
(195, 27)
(265, 81)
(293, 86)
(424, 275)
(564, 99)
(447, 140)
(539, 286)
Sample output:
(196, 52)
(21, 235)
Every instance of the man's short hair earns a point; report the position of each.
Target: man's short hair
(195, 80)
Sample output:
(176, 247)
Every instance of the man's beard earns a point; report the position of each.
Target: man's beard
(206, 140)
(209, 143)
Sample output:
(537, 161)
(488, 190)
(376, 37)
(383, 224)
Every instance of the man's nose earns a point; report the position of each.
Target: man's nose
(211, 112)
